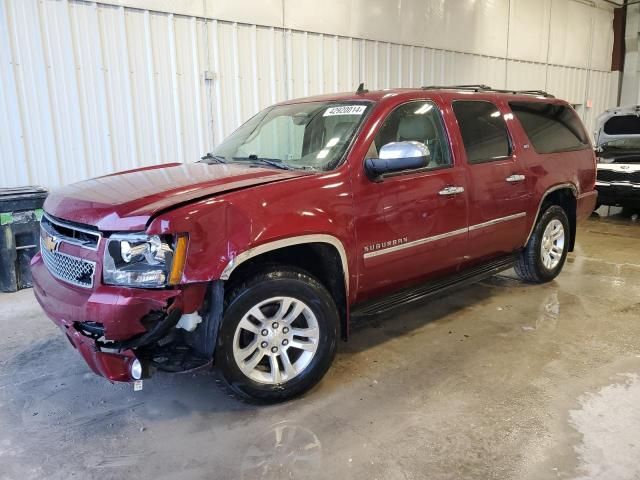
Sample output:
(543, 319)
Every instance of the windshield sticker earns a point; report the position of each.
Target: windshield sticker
(345, 110)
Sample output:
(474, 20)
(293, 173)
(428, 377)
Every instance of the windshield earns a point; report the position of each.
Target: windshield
(311, 135)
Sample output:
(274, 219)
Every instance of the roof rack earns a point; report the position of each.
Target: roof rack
(487, 88)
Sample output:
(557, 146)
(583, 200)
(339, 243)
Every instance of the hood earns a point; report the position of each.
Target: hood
(617, 123)
(126, 201)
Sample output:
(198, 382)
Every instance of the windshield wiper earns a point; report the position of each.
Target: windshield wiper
(272, 162)
(215, 158)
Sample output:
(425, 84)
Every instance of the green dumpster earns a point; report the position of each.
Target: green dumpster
(20, 214)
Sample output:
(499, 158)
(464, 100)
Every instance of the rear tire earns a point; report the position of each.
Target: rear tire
(286, 323)
(544, 255)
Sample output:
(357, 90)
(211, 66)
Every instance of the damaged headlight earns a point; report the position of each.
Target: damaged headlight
(140, 260)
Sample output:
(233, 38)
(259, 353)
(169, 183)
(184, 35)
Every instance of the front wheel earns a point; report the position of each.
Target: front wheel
(544, 255)
(278, 336)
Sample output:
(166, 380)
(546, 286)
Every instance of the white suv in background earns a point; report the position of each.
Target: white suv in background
(617, 140)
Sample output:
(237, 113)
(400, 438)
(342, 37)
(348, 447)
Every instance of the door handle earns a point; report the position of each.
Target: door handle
(450, 191)
(515, 178)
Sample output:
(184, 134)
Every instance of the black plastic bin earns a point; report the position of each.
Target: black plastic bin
(20, 214)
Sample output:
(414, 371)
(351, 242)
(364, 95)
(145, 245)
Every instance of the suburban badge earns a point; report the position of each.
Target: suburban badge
(389, 243)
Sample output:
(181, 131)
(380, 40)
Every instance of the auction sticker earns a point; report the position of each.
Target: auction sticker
(345, 110)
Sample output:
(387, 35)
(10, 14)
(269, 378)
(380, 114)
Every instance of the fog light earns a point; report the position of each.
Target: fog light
(136, 369)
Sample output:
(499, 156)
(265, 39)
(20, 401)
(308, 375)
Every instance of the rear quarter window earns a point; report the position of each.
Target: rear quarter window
(551, 128)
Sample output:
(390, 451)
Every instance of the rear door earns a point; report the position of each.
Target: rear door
(497, 187)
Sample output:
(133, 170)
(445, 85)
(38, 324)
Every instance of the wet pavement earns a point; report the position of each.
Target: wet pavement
(499, 380)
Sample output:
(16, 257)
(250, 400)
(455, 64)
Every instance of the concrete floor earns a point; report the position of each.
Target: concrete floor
(500, 380)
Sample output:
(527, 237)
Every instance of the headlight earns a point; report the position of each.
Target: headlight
(140, 260)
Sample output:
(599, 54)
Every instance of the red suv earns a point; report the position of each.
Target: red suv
(312, 212)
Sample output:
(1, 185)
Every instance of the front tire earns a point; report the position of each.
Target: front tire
(278, 336)
(544, 255)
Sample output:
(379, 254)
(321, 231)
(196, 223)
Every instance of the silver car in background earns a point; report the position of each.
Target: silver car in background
(617, 139)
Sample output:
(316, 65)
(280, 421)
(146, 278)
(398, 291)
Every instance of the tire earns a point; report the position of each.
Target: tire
(533, 265)
(265, 312)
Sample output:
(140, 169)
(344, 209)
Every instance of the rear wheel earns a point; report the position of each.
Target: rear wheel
(544, 255)
(278, 336)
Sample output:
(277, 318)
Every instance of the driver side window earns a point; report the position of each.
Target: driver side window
(418, 122)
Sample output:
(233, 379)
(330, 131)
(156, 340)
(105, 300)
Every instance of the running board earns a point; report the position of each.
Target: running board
(434, 287)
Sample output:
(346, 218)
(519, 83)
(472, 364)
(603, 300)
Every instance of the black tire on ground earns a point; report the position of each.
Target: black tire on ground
(529, 265)
(270, 283)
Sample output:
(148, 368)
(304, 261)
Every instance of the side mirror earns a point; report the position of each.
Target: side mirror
(395, 157)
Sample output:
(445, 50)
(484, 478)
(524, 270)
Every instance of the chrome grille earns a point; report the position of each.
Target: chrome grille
(70, 233)
(618, 176)
(76, 271)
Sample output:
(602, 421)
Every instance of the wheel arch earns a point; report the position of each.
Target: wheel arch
(322, 255)
(564, 195)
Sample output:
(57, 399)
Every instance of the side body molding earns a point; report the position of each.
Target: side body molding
(288, 242)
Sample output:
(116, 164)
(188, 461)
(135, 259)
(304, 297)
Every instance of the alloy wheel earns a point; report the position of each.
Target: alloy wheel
(276, 340)
(552, 246)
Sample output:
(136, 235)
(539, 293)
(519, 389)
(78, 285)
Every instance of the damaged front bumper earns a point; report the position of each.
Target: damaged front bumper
(113, 326)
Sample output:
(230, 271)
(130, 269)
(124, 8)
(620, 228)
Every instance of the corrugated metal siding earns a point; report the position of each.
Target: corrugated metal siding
(87, 89)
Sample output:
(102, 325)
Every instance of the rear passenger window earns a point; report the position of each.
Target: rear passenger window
(550, 128)
(483, 130)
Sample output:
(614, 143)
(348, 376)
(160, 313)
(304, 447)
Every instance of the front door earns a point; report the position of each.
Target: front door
(412, 225)
(498, 191)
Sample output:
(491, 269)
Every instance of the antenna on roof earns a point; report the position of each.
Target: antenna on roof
(361, 90)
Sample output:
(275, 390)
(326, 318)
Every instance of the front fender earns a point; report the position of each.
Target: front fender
(228, 230)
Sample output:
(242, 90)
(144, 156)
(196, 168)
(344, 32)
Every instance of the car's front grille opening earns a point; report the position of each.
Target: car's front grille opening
(69, 233)
(90, 329)
(618, 176)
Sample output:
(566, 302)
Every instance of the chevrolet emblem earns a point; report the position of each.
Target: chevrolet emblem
(50, 243)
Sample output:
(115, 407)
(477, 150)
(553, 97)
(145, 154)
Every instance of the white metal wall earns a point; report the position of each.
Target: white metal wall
(88, 88)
